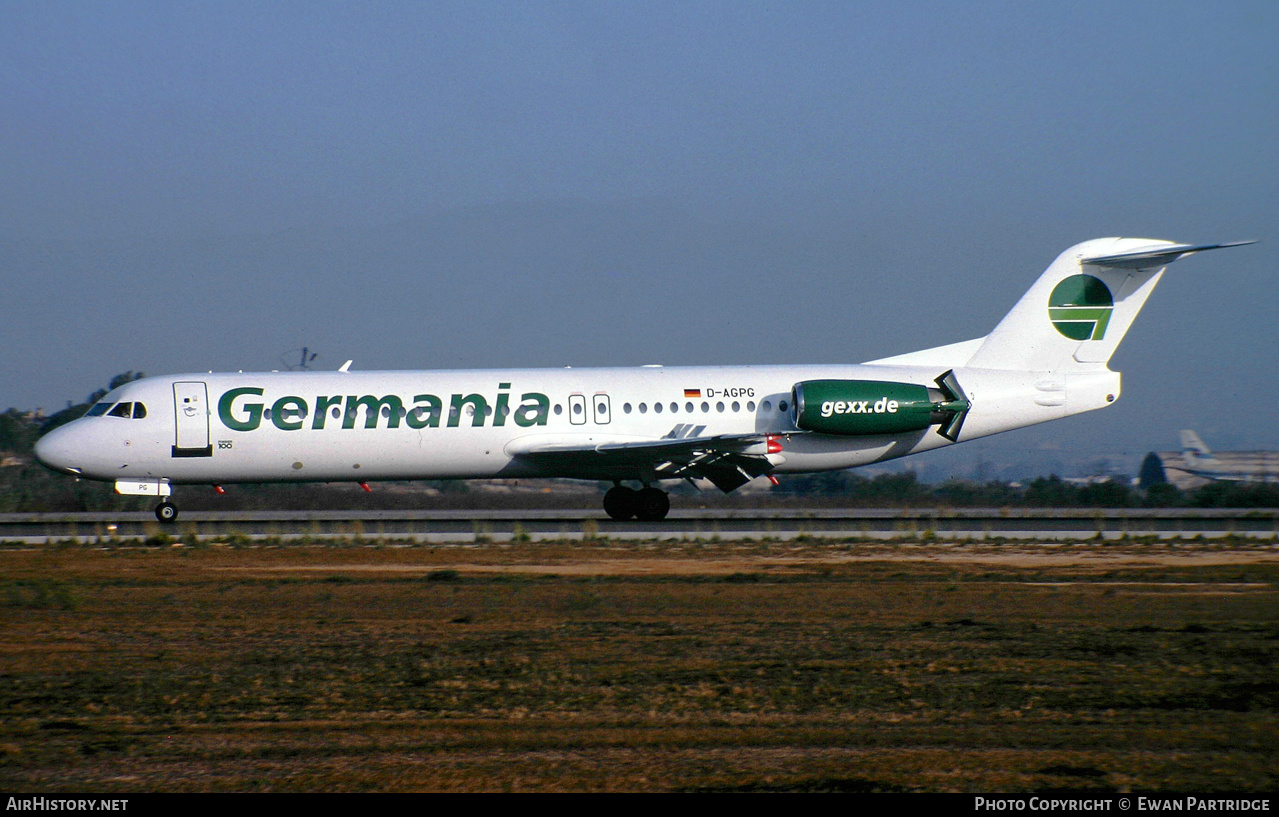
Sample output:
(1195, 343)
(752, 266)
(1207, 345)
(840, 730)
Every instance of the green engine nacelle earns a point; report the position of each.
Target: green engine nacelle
(856, 407)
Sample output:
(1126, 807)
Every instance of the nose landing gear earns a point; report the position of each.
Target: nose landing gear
(648, 504)
(166, 511)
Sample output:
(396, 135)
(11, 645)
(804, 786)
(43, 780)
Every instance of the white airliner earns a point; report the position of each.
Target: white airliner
(1228, 466)
(1045, 360)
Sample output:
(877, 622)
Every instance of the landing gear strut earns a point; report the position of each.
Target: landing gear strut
(166, 511)
(647, 504)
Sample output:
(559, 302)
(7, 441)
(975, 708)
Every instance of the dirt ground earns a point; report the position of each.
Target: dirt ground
(683, 559)
(641, 666)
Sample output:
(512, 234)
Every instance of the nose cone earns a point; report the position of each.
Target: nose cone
(57, 450)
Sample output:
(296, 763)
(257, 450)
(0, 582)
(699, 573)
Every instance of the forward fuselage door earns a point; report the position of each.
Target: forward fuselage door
(191, 410)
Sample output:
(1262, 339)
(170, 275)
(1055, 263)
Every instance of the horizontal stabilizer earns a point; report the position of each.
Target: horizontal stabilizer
(1155, 256)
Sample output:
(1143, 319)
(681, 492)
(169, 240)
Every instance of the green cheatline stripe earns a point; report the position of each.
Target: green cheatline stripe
(1081, 322)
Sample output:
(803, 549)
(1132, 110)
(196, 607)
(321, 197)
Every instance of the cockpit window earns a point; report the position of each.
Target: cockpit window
(135, 410)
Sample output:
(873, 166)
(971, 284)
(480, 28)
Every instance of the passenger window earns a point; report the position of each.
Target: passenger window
(139, 411)
(121, 410)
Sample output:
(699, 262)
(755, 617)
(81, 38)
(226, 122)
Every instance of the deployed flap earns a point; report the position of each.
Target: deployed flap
(727, 472)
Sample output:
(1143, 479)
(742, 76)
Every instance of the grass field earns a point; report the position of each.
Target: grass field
(606, 666)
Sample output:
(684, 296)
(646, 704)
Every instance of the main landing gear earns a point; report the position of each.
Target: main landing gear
(648, 504)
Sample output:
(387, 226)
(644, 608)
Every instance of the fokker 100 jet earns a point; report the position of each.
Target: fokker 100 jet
(1046, 359)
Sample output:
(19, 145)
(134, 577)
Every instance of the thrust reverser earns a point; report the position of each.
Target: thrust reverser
(860, 407)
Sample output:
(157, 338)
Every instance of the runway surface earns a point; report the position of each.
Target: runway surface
(769, 523)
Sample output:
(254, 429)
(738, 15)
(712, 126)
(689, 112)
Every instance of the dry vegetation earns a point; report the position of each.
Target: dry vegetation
(627, 666)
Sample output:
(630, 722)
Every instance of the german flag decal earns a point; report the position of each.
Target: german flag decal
(692, 392)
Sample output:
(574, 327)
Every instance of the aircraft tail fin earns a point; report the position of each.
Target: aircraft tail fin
(1195, 452)
(1075, 315)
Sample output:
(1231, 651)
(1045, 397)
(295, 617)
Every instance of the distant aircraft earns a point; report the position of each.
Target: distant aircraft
(726, 424)
(1234, 466)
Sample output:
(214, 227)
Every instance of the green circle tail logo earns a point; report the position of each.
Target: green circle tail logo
(1080, 307)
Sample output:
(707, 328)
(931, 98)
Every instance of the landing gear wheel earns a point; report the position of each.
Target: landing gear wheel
(621, 502)
(653, 504)
(166, 512)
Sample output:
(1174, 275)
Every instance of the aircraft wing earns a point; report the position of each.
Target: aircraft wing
(729, 461)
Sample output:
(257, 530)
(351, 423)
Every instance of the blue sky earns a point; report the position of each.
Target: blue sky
(192, 186)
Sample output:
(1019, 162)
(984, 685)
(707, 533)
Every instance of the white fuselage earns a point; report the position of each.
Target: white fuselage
(401, 425)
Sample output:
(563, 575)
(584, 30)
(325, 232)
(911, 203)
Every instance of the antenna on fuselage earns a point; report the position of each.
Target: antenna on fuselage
(304, 360)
